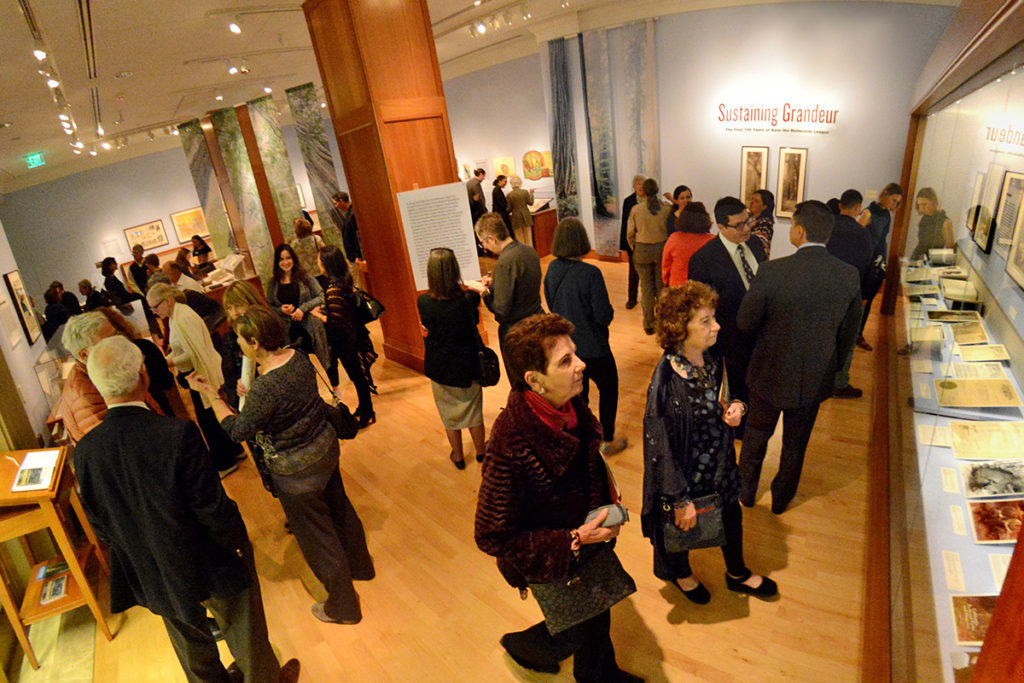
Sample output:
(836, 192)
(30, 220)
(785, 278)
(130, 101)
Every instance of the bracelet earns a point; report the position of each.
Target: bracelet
(574, 534)
(681, 503)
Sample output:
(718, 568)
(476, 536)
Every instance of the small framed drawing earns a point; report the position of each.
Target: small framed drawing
(23, 305)
(1015, 257)
(753, 171)
(979, 218)
(792, 172)
(150, 235)
(189, 222)
(1008, 214)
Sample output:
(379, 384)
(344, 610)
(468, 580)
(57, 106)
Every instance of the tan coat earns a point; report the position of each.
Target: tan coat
(645, 227)
(518, 201)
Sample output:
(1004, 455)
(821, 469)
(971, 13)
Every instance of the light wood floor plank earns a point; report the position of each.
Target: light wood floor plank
(438, 606)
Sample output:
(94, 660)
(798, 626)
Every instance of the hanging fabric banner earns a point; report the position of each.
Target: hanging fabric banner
(200, 165)
(243, 187)
(641, 81)
(598, 98)
(270, 141)
(316, 155)
(563, 132)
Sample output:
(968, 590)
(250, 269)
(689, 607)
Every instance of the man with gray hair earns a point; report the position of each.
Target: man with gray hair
(177, 542)
(81, 407)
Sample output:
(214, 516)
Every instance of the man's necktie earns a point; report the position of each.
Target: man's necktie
(746, 264)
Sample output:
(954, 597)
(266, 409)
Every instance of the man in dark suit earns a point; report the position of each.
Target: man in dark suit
(850, 243)
(177, 543)
(633, 283)
(804, 311)
(729, 264)
(345, 220)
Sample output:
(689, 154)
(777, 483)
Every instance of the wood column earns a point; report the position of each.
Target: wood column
(224, 184)
(383, 89)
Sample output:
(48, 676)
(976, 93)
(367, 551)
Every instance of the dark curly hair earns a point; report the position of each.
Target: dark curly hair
(693, 218)
(675, 308)
(529, 342)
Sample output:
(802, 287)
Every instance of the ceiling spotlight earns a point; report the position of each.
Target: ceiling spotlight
(53, 83)
(526, 14)
(68, 131)
(323, 105)
(79, 144)
(232, 69)
(99, 130)
(235, 26)
(92, 152)
(476, 3)
(65, 124)
(77, 151)
(481, 27)
(39, 54)
(105, 145)
(6, 124)
(245, 66)
(219, 98)
(267, 89)
(63, 117)
(174, 131)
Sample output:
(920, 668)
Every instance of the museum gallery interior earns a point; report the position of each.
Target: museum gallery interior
(144, 124)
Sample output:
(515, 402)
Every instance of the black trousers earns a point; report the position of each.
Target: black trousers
(333, 542)
(633, 281)
(354, 369)
(671, 566)
(241, 619)
(589, 643)
(223, 451)
(797, 424)
(606, 376)
(870, 290)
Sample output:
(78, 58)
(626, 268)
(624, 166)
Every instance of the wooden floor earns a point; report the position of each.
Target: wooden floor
(438, 606)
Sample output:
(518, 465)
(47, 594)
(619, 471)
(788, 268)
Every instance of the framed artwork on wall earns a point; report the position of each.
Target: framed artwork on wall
(190, 222)
(1015, 257)
(979, 218)
(1007, 214)
(23, 305)
(792, 172)
(504, 166)
(150, 235)
(753, 171)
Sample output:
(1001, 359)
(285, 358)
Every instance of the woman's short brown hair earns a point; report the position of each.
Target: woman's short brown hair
(261, 324)
(570, 240)
(241, 294)
(303, 228)
(674, 309)
(529, 342)
(693, 218)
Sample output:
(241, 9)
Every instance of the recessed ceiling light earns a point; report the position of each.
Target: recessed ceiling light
(99, 130)
(267, 89)
(105, 145)
(6, 124)
(323, 105)
(476, 3)
(235, 26)
(63, 117)
(68, 131)
(65, 124)
(77, 151)
(481, 27)
(219, 98)
(92, 152)
(124, 74)
(53, 83)
(39, 54)
(232, 69)
(79, 144)
(174, 131)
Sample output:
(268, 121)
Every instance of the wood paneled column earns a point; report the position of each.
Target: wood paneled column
(384, 93)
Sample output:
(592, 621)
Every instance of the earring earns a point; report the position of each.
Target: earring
(541, 391)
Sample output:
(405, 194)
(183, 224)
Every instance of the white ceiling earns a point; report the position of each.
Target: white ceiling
(178, 55)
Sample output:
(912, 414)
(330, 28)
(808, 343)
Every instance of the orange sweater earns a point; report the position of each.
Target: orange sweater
(675, 259)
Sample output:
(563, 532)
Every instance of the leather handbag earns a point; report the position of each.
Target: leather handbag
(370, 309)
(341, 418)
(490, 366)
(596, 583)
(707, 533)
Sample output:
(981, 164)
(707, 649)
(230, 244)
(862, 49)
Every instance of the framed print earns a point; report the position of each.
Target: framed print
(792, 171)
(979, 218)
(23, 305)
(504, 166)
(1015, 255)
(189, 222)
(753, 171)
(1008, 214)
(150, 235)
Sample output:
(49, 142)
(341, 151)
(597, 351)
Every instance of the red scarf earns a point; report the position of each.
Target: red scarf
(559, 419)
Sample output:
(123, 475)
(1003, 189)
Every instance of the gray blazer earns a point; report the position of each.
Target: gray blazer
(310, 296)
(804, 312)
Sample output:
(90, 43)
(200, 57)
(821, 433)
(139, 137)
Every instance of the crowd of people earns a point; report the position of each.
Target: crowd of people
(744, 339)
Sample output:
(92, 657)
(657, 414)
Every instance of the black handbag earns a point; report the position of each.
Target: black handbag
(370, 309)
(490, 366)
(707, 533)
(596, 583)
(341, 418)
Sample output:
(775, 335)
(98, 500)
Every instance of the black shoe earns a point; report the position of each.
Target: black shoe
(779, 507)
(747, 503)
(767, 589)
(541, 667)
(459, 464)
(621, 676)
(630, 305)
(235, 673)
(863, 344)
(289, 671)
(648, 331)
(479, 457)
(320, 613)
(365, 418)
(847, 392)
(699, 595)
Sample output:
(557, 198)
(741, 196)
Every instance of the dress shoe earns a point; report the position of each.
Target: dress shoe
(779, 507)
(289, 672)
(479, 457)
(767, 589)
(235, 674)
(847, 392)
(648, 331)
(747, 502)
(621, 676)
(365, 418)
(699, 595)
(630, 305)
(319, 612)
(508, 643)
(460, 464)
(614, 446)
(863, 344)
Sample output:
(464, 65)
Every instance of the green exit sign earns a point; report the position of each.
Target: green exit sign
(35, 160)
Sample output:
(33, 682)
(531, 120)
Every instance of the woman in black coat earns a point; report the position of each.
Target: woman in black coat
(499, 202)
(688, 443)
(450, 314)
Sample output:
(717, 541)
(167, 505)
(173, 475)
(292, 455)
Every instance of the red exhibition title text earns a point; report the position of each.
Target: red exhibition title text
(771, 115)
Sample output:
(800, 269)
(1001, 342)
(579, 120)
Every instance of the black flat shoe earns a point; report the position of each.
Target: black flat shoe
(479, 457)
(459, 464)
(509, 643)
(767, 589)
(699, 595)
(365, 419)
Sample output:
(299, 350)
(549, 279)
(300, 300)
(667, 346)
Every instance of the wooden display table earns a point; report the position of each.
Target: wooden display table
(544, 224)
(23, 512)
